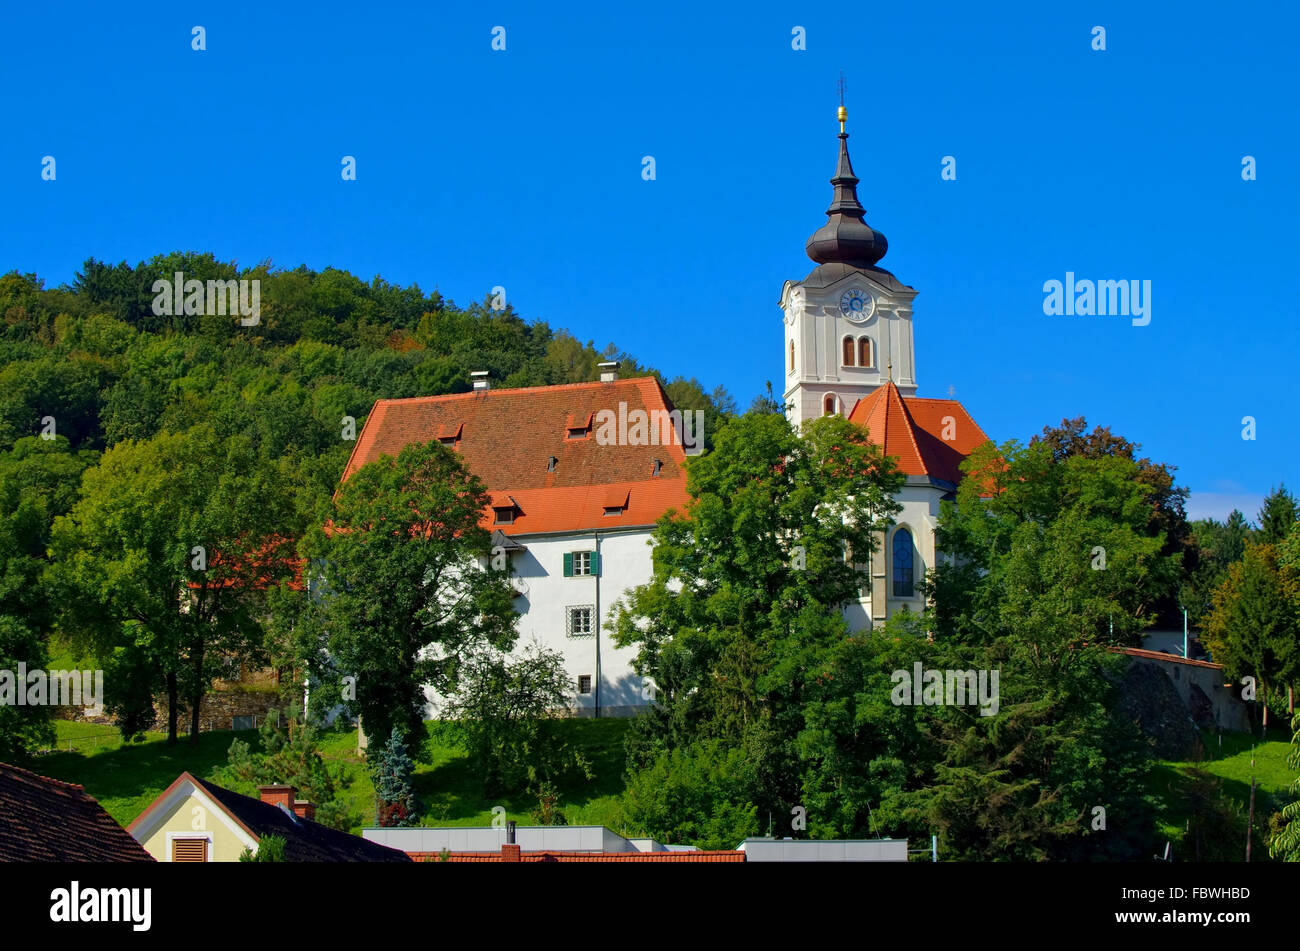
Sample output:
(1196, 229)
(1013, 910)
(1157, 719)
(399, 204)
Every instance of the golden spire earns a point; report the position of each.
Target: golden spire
(842, 113)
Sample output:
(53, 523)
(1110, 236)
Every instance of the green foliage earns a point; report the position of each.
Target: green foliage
(741, 625)
(391, 771)
(270, 848)
(1253, 628)
(1284, 843)
(1278, 516)
(697, 794)
(289, 754)
(402, 597)
(503, 707)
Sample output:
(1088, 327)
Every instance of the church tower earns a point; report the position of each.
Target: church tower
(848, 324)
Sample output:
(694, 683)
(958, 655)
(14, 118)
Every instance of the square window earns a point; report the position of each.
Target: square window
(584, 683)
(580, 620)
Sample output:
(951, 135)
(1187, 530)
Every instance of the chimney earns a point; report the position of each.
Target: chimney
(608, 371)
(510, 853)
(479, 379)
(277, 795)
(304, 809)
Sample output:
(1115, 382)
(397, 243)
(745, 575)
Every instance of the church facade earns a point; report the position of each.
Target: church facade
(575, 513)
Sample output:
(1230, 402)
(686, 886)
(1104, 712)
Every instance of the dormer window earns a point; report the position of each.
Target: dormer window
(658, 465)
(616, 501)
(449, 434)
(505, 510)
(577, 426)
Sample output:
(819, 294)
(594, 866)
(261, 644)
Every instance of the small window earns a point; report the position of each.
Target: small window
(791, 356)
(659, 464)
(848, 351)
(503, 514)
(449, 441)
(551, 463)
(580, 622)
(613, 510)
(581, 563)
(584, 683)
(865, 357)
(577, 432)
(828, 405)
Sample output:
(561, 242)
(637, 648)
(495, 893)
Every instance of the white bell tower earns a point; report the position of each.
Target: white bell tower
(848, 324)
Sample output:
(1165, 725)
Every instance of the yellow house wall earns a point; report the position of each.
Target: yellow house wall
(226, 846)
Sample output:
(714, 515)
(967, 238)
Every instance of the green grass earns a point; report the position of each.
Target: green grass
(1228, 758)
(127, 777)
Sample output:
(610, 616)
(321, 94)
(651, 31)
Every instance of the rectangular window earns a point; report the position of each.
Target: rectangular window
(581, 563)
(503, 515)
(189, 850)
(584, 683)
(581, 620)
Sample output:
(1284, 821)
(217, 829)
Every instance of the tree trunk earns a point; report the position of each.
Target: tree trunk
(172, 699)
(196, 701)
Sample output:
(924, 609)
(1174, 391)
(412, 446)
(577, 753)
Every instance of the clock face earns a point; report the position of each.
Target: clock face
(857, 305)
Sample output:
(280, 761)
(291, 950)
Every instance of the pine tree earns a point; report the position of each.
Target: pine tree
(1278, 514)
(394, 795)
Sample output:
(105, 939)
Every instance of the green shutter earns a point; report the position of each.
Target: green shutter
(595, 562)
(568, 564)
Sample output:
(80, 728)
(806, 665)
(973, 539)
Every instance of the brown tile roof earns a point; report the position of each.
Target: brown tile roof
(912, 428)
(304, 839)
(45, 820)
(722, 856)
(1169, 658)
(507, 437)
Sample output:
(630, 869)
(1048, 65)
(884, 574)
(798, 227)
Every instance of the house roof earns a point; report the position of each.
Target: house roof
(912, 429)
(304, 839)
(508, 436)
(562, 856)
(1166, 658)
(45, 820)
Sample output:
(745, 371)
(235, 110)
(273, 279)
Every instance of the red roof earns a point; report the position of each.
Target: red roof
(45, 820)
(913, 429)
(507, 438)
(692, 856)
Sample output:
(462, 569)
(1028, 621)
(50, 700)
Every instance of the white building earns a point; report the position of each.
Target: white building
(575, 511)
(571, 507)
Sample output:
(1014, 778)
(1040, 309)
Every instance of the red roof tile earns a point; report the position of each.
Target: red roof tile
(912, 429)
(508, 436)
(45, 820)
(720, 856)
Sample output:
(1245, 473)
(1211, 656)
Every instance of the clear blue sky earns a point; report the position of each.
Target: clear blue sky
(523, 168)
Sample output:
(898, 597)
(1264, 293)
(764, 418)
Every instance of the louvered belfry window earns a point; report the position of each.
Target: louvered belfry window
(189, 850)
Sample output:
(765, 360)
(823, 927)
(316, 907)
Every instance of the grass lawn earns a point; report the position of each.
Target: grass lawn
(1228, 758)
(127, 777)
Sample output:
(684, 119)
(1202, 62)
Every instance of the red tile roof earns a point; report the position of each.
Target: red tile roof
(721, 856)
(1167, 658)
(45, 820)
(912, 429)
(508, 436)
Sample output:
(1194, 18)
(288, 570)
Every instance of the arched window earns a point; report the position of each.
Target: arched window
(848, 351)
(791, 356)
(903, 563)
(828, 405)
(865, 357)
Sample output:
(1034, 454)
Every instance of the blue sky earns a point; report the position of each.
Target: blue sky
(522, 168)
